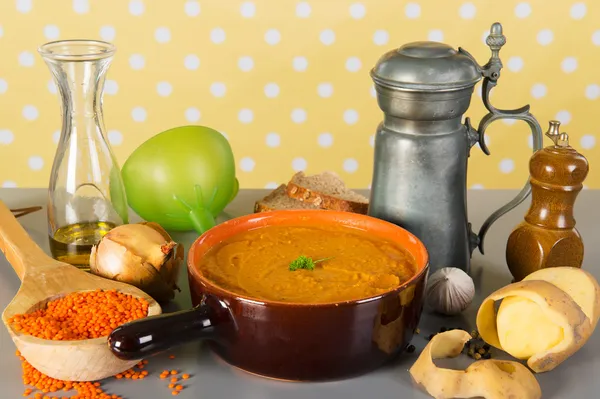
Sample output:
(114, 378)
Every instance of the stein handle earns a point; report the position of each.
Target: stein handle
(491, 73)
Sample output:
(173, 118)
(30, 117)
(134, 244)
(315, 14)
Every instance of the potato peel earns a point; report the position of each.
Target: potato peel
(489, 379)
(554, 303)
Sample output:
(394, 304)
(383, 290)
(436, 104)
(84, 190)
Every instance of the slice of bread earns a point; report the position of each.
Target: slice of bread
(327, 191)
(278, 199)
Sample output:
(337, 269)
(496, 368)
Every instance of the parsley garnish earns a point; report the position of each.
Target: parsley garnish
(304, 262)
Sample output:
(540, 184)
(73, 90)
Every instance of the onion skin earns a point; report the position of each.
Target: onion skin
(140, 254)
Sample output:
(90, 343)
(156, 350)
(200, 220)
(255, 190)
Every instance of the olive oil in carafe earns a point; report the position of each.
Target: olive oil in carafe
(73, 243)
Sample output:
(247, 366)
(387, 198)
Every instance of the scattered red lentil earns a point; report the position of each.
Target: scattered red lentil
(175, 393)
(171, 386)
(174, 379)
(173, 372)
(179, 387)
(81, 315)
(185, 376)
(171, 356)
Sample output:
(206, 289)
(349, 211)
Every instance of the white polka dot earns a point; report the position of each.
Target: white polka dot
(247, 164)
(298, 115)
(218, 89)
(588, 141)
(51, 32)
(299, 164)
(108, 33)
(139, 114)
(137, 61)
(327, 37)
(192, 8)
(35, 162)
(273, 140)
(545, 37)
(467, 11)
(245, 63)
(191, 62)
(353, 64)
(372, 141)
(596, 38)
(435, 35)
(300, 64)
(164, 89)
(357, 11)
(507, 165)
(350, 116)
(136, 7)
(508, 122)
(3, 86)
(578, 10)
(192, 114)
(569, 64)
(6, 136)
(51, 86)
(217, 35)
(224, 134)
(563, 116)
(26, 59)
(522, 10)
(115, 137)
(538, 90)
(412, 10)
(303, 9)
(325, 140)
(515, 64)
(485, 36)
(245, 115)
(272, 37)
(248, 9)
(24, 6)
(162, 34)
(271, 185)
(111, 87)
(350, 165)
(381, 37)
(9, 184)
(1, 31)
(477, 187)
(30, 112)
(81, 6)
(585, 187)
(271, 90)
(372, 91)
(56, 136)
(592, 91)
(325, 90)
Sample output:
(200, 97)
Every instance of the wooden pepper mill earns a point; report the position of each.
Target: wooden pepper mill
(547, 237)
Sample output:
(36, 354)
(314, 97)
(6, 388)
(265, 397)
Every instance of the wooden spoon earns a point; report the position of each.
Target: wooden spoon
(43, 279)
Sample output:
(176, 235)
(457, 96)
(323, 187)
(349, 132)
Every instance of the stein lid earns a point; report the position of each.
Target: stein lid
(426, 66)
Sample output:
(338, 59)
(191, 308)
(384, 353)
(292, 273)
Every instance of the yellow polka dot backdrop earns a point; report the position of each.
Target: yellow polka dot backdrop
(287, 82)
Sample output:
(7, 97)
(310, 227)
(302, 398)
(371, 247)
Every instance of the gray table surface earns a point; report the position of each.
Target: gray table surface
(213, 379)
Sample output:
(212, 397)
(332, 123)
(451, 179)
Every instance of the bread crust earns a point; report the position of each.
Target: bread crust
(325, 201)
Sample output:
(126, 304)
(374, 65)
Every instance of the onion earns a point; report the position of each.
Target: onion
(140, 254)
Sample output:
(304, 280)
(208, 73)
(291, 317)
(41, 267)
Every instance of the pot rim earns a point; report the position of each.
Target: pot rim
(300, 214)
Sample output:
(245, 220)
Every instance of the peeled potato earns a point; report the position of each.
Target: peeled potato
(489, 379)
(539, 320)
(578, 283)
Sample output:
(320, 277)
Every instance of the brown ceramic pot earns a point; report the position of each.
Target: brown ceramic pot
(289, 341)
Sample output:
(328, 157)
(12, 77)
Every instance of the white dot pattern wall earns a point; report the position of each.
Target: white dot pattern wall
(287, 82)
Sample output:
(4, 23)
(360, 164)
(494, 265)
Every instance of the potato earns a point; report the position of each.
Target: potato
(489, 379)
(578, 283)
(540, 321)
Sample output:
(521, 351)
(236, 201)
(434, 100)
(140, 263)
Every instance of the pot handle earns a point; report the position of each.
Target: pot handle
(491, 74)
(148, 336)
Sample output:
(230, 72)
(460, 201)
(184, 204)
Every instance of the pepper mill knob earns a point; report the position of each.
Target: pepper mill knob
(563, 140)
(553, 131)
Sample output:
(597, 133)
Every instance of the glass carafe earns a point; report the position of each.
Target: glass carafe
(86, 197)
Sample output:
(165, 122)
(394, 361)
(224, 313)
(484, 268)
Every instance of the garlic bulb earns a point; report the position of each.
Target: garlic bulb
(140, 254)
(450, 290)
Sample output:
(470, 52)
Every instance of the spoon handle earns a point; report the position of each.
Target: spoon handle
(20, 250)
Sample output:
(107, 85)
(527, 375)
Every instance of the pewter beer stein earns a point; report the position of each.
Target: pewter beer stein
(422, 145)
